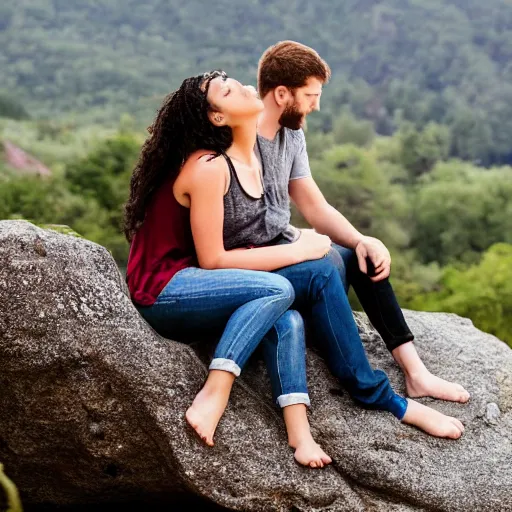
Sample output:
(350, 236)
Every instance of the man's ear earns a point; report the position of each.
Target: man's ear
(216, 118)
(281, 95)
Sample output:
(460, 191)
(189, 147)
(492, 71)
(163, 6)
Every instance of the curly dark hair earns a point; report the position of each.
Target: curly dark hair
(181, 127)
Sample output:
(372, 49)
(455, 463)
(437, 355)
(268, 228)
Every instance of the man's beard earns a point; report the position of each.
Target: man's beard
(291, 118)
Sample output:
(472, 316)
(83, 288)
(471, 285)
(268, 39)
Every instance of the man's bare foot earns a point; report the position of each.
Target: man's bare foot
(309, 453)
(427, 384)
(431, 421)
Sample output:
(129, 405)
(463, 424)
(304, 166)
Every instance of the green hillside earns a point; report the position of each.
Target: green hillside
(447, 61)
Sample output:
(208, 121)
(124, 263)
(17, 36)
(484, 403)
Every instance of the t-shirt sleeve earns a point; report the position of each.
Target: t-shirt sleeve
(300, 165)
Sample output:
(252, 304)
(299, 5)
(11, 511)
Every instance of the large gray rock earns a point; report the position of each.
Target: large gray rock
(92, 405)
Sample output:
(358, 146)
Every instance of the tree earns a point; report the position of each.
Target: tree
(482, 292)
(356, 185)
(12, 108)
(459, 211)
(349, 130)
(104, 174)
(421, 150)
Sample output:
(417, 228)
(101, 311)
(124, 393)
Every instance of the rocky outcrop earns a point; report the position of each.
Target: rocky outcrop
(21, 161)
(92, 405)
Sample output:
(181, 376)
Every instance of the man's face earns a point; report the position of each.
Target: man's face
(305, 100)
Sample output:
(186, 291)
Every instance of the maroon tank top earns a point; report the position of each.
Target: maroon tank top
(162, 246)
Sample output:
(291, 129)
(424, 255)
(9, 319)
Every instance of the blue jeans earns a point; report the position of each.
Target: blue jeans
(249, 307)
(320, 293)
(377, 299)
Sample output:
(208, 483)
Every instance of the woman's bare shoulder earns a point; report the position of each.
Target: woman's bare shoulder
(203, 161)
(202, 167)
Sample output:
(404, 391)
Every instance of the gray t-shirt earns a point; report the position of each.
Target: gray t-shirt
(283, 159)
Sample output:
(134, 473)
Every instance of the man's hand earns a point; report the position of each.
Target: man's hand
(374, 249)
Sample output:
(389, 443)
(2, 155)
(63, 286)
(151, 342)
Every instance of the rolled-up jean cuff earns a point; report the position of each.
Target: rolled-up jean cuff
(292, 399)
(226, 365)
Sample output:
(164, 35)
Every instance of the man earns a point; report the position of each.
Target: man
(290, 80)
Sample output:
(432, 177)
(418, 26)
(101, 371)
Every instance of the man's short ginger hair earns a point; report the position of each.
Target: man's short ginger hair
(290, 64)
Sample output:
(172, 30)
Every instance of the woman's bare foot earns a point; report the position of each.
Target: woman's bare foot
(209, 405)
(427, 384)
(431, 421)
(309, 453)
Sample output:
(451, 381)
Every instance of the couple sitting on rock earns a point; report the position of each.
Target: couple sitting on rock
(212, 250)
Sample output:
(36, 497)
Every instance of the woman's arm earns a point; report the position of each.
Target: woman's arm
(206, 183)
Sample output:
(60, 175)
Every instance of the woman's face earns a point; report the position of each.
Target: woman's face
(232, 102)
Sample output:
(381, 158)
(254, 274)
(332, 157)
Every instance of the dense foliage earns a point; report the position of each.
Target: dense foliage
(447, 61)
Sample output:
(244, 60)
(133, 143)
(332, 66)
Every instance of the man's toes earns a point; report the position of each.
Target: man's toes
(312, 464)
(458, 424)
(454, 432)
(465, 396)
(457, 434)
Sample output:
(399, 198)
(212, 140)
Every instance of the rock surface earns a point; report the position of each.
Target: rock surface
(92, 405)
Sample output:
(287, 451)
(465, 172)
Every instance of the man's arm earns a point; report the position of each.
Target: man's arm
(319, 214)
(325, 219)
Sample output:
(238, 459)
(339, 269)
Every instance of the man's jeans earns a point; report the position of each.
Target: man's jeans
(248, 307)
(377, 299)
(320, 294)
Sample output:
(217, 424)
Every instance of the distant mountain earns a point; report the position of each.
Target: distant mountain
(449, 61)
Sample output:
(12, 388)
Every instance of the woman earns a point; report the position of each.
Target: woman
(182, 301)
(229, 219)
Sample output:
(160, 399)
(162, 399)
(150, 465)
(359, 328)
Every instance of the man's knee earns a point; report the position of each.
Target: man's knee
(342, 258)
(321, 271)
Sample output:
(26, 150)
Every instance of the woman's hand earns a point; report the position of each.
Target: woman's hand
(312, 245)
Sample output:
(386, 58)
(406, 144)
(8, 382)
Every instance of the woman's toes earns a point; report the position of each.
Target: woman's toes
(208, 440)
(326, 459)
(312, 464)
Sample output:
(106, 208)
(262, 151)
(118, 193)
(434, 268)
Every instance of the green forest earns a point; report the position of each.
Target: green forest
(412, 143)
